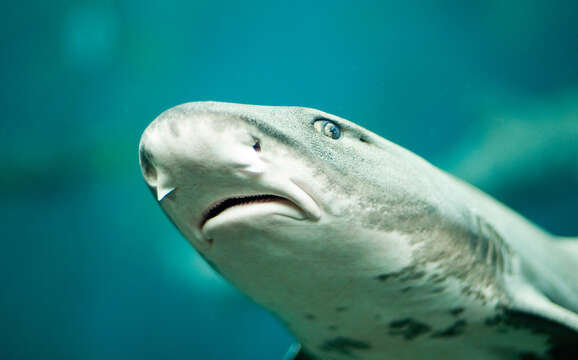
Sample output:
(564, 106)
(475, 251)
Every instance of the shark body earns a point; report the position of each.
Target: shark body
(361, 248)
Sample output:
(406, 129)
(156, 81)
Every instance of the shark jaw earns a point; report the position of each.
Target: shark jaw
(275, 199)
(242, 206)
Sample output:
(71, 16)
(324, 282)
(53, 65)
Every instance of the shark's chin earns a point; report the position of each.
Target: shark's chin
(256, 214)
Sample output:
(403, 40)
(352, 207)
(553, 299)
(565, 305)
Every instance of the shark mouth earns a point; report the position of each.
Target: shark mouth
(225, 204)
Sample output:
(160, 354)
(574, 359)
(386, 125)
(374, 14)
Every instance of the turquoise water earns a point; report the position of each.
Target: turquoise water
(89, 266)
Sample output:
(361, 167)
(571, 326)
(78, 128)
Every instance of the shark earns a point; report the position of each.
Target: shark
(361, 248)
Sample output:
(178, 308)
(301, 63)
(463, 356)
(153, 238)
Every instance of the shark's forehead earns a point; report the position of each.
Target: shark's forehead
(289, 126)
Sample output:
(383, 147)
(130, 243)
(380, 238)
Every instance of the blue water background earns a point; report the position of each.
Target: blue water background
(89, 266)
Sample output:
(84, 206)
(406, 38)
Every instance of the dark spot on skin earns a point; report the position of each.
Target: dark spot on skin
(362, 139)
(408, 328)
(406, 289)
(457, 311)
(455, 329)
(407, 273)
(257, 145)
(332, 327)
(344, 346)
(309, 316)
(413, 276)
(561, 339)
(399, 323)
(384, 277)
(341, 308)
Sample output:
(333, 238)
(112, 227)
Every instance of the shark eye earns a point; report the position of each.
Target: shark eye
(328, 128)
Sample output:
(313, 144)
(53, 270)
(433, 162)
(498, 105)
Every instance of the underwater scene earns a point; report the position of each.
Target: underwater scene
(91, 268)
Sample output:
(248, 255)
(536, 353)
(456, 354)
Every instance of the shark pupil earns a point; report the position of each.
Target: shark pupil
(330, 129)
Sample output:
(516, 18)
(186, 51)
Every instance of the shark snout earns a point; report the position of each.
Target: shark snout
(155, 177)
(213, 170)
(204, 148)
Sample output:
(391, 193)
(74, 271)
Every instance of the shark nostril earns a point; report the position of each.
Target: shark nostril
(150, 174)
(148, 169)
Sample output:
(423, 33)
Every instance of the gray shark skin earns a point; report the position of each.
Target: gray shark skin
(361, 248)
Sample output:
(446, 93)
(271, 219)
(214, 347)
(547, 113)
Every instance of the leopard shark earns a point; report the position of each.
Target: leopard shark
(361, 248)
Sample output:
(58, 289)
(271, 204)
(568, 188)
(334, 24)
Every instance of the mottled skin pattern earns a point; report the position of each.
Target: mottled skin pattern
(379, 255)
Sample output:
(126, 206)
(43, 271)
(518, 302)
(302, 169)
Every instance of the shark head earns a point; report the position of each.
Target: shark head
(301, 210)
(277, 198)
